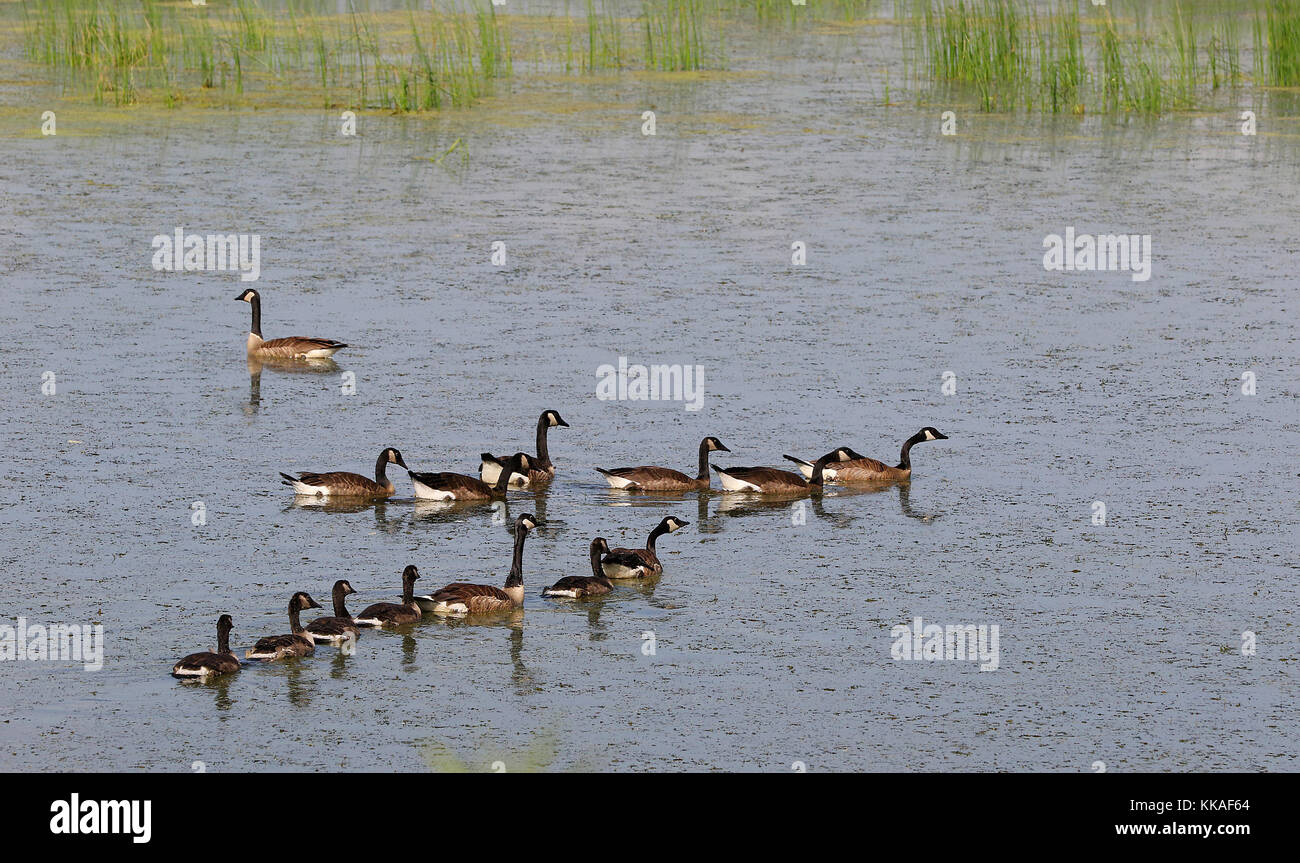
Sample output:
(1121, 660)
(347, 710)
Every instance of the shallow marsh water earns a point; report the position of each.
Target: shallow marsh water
(1118, 643)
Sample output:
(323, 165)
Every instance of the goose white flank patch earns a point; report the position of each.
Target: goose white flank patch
(340, 627)
(860, 470)
(342, 484)
(460, 599)
(391, 613)
(640, 562)
(206, 665)
(458, 486)
(649, 478)
(540, 469)
(296, 643)
(773, 481)
(292, 347)
(577, 586)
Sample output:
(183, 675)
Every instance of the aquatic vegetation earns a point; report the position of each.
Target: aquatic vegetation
(1053, 56)
(674, 40)
(1017, 54)
(1277, 43)
(363, 59)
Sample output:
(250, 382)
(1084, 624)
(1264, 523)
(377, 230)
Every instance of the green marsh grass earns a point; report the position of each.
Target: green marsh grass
(674, 35)
(1277, 43)
(1053, 57)
(122, 53)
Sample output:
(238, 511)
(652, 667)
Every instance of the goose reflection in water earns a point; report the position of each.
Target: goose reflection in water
(453, 511)
(256, 365)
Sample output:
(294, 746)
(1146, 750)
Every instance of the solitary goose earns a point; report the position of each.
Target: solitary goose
(575, 586)
(457, 486)
(293, 347)
(205, 665)
(640, 562)
(770, 480)
(390, 613)
(861, 470)
(340, 483)
(540, 467)
(296, 643)
(340, 627)
(460, 599)
(647, 478)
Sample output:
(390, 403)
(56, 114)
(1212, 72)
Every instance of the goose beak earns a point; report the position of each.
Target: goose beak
(940, 436)
(722, 448)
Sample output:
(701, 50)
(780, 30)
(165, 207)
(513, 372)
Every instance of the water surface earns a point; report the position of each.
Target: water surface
(1118, 643)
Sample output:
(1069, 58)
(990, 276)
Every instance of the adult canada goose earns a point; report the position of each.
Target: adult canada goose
(296, 643)
(861, 470)
(770, 480)
(340, 627)
(457, 486)
(293, 347)
(640, 562)
(390, 613)
(575, 586)
(540, 467)
(460, 599)
(647, 478)
(205, 665)
(340, 483)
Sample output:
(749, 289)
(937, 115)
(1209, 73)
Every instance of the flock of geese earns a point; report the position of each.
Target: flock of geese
(498, 474)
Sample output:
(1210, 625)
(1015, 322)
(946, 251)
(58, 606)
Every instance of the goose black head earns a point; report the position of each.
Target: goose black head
(839, 454)
(343, 587)
(520, 462)
(410, 574)
(932, 433)
(853, 454)
(672, 523)
(554, 419)
(302, 601)
(394, 456)
(713, 444)
(225, 623)
(599, 544)
(526, 522)
(247, 296)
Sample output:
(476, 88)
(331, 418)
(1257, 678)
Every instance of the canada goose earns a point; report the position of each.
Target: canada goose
(293, 347)
(640, 562)
(205, 665)
(770, 480)
(861, 469)
(540, 469)
(390, 613)
(343, 484)
(339, 627)
(296, 643)
(647, 478)
(575, 586)
(460, 599)
(457, 486)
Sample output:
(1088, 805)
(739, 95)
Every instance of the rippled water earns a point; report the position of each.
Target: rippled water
(1119, 643)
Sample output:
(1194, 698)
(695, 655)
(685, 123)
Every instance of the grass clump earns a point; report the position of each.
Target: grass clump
(1017, 54)
(123, 53)
(1277, 42)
